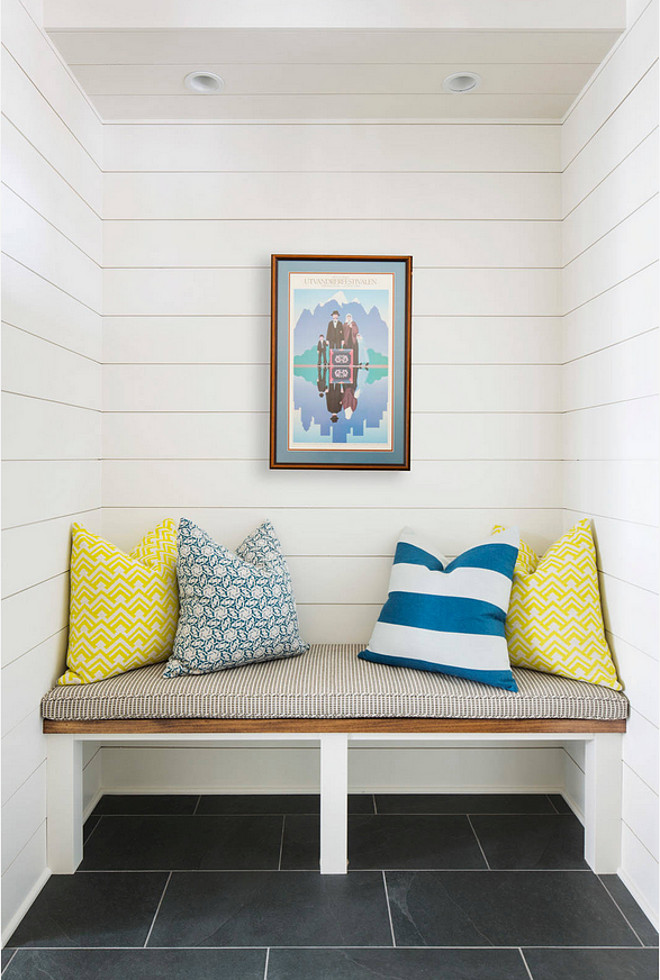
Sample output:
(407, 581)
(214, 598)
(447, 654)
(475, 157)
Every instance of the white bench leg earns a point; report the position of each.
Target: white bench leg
(602, 809)
(64, 823)
(334, 804)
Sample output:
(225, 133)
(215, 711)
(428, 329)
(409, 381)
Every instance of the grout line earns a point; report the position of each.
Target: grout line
(199, 800)
(266, 963)
(169, 877)
(10, 959)
(526, 964)
(93, 830)
(480, 948)
(550, 801)
(373, 797)
(279, 862)
(248, 871)
(389, 911)
(483, 853)
(611, 896)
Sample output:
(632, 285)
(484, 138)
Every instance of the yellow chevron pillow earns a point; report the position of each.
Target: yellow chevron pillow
(124, 608)
(555, 621)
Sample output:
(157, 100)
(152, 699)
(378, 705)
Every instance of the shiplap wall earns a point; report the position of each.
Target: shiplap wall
(51, 401)
(610, 383)
(192, 214)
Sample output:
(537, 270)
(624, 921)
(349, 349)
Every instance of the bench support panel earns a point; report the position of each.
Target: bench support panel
(64, 806)
(602, 807)
(334, 804)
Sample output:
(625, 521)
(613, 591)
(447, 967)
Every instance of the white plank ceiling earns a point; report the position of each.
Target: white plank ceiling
(331, 67)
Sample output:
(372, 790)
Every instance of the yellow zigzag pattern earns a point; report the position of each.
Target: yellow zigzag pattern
(555, 622)
(124, 608)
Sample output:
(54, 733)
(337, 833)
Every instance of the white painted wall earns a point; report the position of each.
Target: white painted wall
(192, 214)
(51, 158)
(610, 386)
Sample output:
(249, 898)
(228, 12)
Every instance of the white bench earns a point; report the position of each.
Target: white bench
(332, 699)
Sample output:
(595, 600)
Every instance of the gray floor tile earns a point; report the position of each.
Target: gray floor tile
(138, 964)
(504, 908)
(289, 803)
(592, 964)
(396, 964)
(388, 841)
(559, 803)
(89, 827)
(153, 803)
(92, 910)
(273, 909)
(637, 919)
(463, 803)
(168, 843)
(554, 840)
(7, 955)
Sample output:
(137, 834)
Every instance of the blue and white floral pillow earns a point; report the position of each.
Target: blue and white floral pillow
(236, 608)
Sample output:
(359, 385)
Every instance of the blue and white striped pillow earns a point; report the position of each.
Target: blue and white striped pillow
(448, 617)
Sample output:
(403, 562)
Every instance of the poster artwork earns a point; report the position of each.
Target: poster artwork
(341, 339)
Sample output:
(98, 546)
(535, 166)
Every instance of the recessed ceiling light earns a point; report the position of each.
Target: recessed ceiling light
(204, 82)
(461, 82)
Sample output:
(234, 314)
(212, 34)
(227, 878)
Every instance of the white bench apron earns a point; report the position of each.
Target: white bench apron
(332, 699)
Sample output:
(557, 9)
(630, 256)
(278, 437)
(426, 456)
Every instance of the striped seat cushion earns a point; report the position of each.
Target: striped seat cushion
(448, 616)
(328, 682)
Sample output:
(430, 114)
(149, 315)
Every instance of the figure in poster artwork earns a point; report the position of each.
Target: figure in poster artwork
(335, 334)
(351, 337)
(341, 356)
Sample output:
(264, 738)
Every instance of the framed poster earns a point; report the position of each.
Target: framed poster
(340, 362)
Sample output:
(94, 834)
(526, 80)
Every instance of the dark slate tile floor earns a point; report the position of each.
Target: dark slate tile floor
(227, 887)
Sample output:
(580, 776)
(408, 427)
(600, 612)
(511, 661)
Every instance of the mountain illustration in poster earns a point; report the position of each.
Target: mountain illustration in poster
(312, 323)
(331, 409)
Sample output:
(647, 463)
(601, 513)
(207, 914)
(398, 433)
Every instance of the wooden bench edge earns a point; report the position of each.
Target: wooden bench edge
(189, 726)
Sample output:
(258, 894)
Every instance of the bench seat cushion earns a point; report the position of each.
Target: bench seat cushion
(329, 682)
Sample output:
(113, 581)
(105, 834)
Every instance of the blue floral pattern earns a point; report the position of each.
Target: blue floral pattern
(236, 608)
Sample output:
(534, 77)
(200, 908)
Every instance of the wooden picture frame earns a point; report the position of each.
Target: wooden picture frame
(340, 362)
